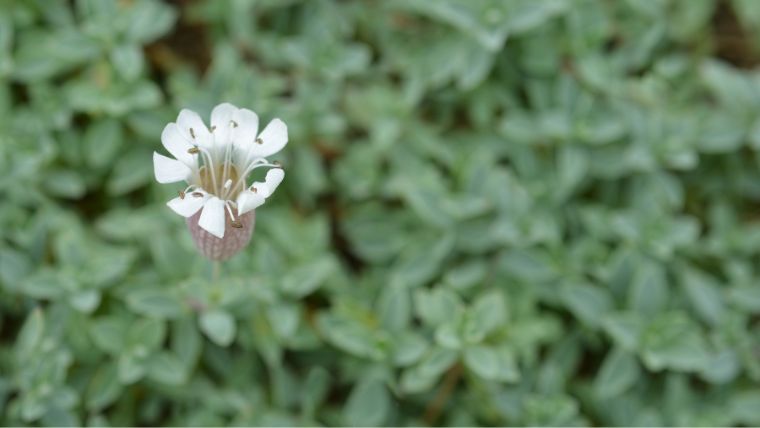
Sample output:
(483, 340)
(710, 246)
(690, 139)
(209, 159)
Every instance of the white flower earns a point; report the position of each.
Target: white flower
(215, 162)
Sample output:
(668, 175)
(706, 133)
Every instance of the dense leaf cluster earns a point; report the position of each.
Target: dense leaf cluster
(523, 212)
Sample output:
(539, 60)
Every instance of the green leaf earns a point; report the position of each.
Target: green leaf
(350, 336)
(148, 20)
(85, 301)
(102, 142)
(587, 302)
(673, 341)
(483, 361)
(65, 184)
(131, 368)
(428, 371)
(704, 295)
(109, 333)
(619, 372)
(746, 298)
(104, 387)
(368, 404)
(155, 302)
(146, 333)
(408, 348)
(305, 279)
(128, 61)
(167, 368)
(284, 319)
(42, 55)
(625, 329)
(219, 326)
(394, 307)
(649, 292)
(31, 333)
(186, 341)
(437, 305)
(131, 171)
(743, 407)
(488, 312)
(315, 389)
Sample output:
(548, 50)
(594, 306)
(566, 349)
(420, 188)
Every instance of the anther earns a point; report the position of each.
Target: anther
(197, 194)
(276, 163)
(234, 124)
(213, 128)
(253, 189)
(259, 141)
(181, 194)
(193, 150)
(192, 133)
(227, 184)
(236, 224)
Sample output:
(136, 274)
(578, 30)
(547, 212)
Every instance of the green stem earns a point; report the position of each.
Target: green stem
(215, 269)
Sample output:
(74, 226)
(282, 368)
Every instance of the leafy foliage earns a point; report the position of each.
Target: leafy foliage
(497, 212)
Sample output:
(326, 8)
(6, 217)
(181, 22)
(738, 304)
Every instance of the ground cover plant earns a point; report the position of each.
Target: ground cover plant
(495, 212)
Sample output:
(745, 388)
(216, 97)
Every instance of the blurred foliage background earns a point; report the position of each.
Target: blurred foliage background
(496, 212)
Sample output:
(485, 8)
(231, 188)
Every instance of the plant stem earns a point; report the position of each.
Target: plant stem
(436, 406)
(215, 269)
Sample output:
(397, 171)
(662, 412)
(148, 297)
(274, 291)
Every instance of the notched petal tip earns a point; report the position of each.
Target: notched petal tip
(248, 201)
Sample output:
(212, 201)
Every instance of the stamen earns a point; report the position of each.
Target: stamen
(197, 194)
(254, 190)
(213, 128)
(256, 164)
(209, 166)
(227, 184)
(234, 223)
(276, 163)
(193, 150)
(234, 124)
(259, 141)
(192, 133)
(181, 194)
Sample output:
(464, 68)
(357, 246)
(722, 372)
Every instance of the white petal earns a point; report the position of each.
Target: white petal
(221, 122)
(168, 170)
(244, 136)
(177, 145)
(200, 135)
(274, 137)
(274, 178)
(271, 181)
(213, 217)
(188, 205)
(248, 201)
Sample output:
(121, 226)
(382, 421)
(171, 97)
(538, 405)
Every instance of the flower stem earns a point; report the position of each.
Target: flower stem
(215, 268)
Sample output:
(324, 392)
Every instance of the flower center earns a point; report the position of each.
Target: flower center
(224, 175)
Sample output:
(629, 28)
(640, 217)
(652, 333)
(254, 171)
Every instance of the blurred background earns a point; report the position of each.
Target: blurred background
(495, 212)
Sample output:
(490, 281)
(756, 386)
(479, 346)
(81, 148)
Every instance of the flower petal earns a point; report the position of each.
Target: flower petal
(244, 136)
(273, 139)
(274, 178)
(192, 127)
(188, 205)
(248, 200)
(271, 181)
(177, 145)
(221, 123)
(213, 217)
(169, 170)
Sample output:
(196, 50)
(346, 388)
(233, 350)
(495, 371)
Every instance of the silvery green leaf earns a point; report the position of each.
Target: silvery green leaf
(619, 371)
(219, 326)
(368, 404)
